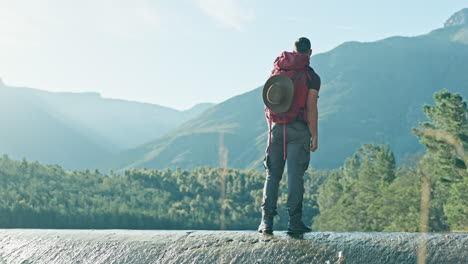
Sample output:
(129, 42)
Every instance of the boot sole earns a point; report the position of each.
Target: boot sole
(266, 232)
(297, 231)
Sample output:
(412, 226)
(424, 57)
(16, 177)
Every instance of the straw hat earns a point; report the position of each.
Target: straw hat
(278, 93)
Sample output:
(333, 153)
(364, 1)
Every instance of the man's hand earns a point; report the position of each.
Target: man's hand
(314, 144)
(312, 118)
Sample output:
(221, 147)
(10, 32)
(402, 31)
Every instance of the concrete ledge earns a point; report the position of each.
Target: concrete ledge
(137, 246)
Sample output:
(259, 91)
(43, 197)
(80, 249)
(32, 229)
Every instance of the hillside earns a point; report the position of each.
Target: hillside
(371, 92)
(27, 130)
(196, 143)
(125, 124)
(78, 130)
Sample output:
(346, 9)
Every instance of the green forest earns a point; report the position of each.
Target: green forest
(369, 192)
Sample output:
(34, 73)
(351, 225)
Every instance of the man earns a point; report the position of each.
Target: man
(293, 132)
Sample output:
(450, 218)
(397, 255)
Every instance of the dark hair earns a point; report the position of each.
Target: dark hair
(302, 45)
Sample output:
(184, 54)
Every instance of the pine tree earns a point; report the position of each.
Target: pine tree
(445, 137)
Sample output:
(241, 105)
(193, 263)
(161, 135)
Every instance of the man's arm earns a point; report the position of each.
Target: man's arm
(312, 117)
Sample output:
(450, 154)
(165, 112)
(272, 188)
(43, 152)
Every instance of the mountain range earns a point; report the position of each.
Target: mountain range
(79, 130)
(371, 92)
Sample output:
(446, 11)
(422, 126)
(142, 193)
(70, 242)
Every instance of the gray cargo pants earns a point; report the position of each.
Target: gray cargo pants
(298, 157)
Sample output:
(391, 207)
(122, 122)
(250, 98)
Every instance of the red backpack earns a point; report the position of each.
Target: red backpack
(295, 66)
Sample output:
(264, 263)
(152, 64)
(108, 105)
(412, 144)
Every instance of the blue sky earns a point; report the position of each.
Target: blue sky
(182, 52)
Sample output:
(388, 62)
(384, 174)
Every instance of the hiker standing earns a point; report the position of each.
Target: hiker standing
(290, 97)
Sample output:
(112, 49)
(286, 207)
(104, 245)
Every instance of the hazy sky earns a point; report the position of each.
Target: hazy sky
(182, 52)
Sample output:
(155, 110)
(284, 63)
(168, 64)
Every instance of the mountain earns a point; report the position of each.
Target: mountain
(28, 130)
(196, 110)
(125, 124)
(460, 18)
(237, 122)
(78, 130)
(371, 92)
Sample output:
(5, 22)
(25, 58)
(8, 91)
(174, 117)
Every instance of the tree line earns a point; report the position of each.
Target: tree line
(46, 196)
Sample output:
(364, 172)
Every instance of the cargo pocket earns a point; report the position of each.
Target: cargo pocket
(276, 133)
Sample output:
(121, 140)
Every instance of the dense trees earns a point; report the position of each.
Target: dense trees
(355, 197)
(38, 196)
(368, 193)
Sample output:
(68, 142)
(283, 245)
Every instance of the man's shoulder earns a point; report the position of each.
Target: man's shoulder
(313, 73)
(314, 82)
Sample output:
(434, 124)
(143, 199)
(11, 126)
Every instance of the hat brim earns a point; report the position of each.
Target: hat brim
(288, 87)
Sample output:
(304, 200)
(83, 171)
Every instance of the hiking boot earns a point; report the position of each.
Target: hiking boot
(297, 226)
(266, 225)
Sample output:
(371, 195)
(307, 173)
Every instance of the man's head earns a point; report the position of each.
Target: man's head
(302, 45)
